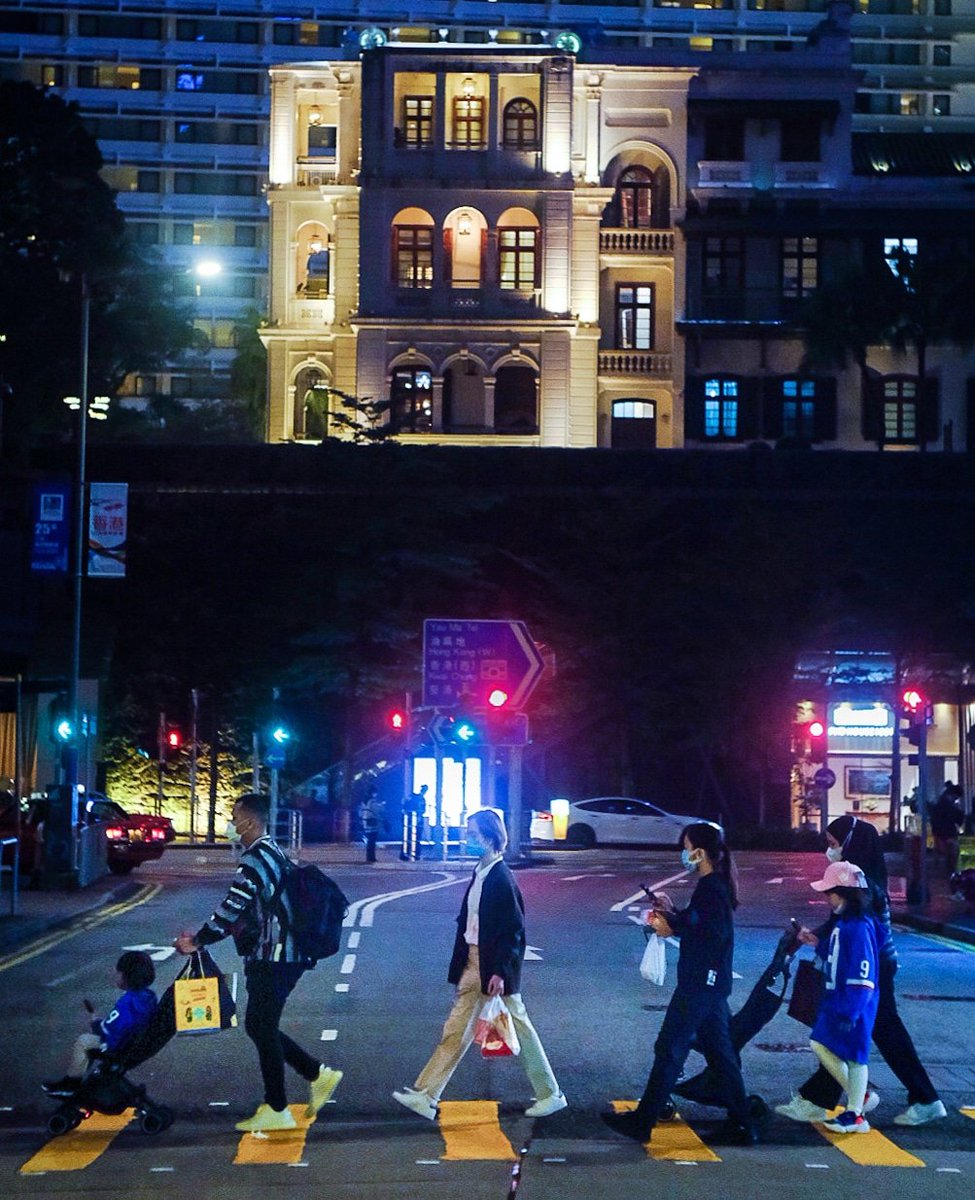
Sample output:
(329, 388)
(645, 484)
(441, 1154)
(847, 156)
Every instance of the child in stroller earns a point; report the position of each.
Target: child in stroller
(95, 1077)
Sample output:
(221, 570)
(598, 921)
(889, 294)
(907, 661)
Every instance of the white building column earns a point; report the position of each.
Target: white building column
(281, 167)
(593, 100)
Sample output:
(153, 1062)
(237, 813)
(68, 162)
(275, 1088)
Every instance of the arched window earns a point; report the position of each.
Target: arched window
(519, 250)
(634, 425)
(411, 400)
(634, 193)
(311, 404)
(515, 399)
(313, 262)
(520, 125)
(413, 249)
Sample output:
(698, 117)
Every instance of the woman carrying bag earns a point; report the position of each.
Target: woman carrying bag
(698, 1010)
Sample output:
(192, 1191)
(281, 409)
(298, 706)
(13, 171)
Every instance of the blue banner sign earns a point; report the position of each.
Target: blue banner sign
(51, 513)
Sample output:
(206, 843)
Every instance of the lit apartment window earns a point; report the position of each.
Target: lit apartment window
(900, 253)
(941, 105)
(635, 195)
(910, 104)
(799, 408)
(417, 122)
(468, 127)
(634, 316)
(414, 256)
(800, 267)
(518, 250)
(900, 410)
(520, 125)
(721, 409)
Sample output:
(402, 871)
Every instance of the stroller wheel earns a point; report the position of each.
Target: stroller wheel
(759, 1110)
(153, 1121)
(669, 1110)
(63, 1120)
(166, 1115)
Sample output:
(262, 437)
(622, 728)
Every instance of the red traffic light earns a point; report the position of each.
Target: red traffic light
(912, 700)
(174, 739)
(816, 729)
(497, 698)
(396, 720)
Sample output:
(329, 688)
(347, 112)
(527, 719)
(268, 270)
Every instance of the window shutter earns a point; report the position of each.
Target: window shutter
(871, 413)
(749, 404)
(693, 408)
(448, 256)
(772, 408)
(824, 425)
(928, 417)
(482, 264)
(394, 247)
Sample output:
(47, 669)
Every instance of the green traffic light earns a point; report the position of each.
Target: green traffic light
(465, 732)
(64, 730)
(281, 735)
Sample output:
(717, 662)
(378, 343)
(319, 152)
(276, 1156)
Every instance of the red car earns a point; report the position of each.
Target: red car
(132, 838)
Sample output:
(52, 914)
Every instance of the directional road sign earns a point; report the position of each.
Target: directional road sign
(463, 661)
(824, 777)
(275, 758)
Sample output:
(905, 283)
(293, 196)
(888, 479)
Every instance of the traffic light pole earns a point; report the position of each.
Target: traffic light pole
(161, 765)
(922, 771)
(514, 802)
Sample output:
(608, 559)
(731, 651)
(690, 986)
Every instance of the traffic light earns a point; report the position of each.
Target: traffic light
(174, 739)
(465, 731)
(816, 732)
(397, 720)
(62, 723)
(497, 698)
(280, 733)
(917, 711)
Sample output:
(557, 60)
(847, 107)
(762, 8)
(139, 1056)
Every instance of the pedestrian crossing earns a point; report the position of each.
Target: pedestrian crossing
(469, 1131)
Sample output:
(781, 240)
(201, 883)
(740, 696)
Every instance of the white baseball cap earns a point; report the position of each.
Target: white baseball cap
(841, 874)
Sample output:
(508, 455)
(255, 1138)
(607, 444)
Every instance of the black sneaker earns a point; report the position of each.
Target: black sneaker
(66, 1086)
(628, 1124)
(741, 1134)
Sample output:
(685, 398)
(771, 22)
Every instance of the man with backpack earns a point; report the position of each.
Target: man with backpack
(272, 937)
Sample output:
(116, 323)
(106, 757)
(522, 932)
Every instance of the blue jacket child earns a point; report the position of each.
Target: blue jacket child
(131, 1013)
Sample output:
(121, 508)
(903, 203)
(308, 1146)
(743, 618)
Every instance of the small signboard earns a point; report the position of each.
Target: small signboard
(108, 519)
(51, 513)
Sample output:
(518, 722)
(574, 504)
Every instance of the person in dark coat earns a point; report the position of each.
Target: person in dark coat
(946, 817)
(851, 840)
(489, 948)
(698, 1010)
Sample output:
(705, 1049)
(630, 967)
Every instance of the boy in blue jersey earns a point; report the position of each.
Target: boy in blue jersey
(849, 952)
(130, 1015)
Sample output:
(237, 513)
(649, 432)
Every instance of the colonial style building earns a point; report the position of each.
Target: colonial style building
(570, 249)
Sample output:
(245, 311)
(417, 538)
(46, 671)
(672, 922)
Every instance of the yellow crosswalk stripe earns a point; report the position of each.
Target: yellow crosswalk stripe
(672, 1141)
(280, 1147)
(78, 1149)
(968, 1111)
(471, 1130)
(871, 1149)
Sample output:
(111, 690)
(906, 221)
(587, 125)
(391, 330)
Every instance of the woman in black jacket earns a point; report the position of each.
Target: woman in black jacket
(849, 839)
(489, 948)
(698, 1010)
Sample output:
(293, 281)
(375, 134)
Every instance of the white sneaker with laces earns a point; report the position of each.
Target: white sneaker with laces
(870, 1101)
(266, 1120)
(418, 1102)
(801, 1109)
(545, 1108)
(921, 1114)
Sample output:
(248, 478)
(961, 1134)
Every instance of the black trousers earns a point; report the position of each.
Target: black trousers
(700, 1017)
(895, 1045)
(371, 836)
(269, 984)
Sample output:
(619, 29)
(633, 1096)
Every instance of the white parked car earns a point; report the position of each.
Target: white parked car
(620, 819)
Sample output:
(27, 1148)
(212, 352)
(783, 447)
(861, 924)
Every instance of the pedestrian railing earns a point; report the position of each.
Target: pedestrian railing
(288, 831)
(12, 869)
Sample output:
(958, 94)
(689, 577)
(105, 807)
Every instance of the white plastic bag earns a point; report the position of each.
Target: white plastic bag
(495, 1030)
(653, 965)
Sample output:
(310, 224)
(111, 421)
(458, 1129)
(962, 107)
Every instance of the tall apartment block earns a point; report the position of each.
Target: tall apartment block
(179, 96)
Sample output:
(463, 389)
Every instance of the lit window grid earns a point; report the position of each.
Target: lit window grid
(800, 267)
(414, 256)
(721, 408)
(634, 317)
(517, 267)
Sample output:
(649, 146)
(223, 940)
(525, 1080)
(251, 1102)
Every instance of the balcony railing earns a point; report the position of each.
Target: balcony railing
(636, 241)
(636, 362)
(318, 174)
(724, 174)
(801, 174)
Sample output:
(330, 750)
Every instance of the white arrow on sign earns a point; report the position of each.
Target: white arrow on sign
(156, 953)
(532, 955)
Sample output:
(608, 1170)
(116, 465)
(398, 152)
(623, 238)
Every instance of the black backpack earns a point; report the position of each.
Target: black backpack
(318, 908)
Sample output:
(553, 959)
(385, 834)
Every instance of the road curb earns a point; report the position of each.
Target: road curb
(30, 927)
(923, 924)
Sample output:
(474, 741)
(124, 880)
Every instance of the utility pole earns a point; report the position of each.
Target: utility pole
(161, 763)
(194, 721)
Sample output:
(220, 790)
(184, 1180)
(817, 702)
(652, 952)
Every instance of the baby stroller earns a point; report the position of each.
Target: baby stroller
(762, 1004)
(104, 1087)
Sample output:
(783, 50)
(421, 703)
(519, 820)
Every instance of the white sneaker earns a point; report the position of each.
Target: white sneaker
(920, 1114)
(870, 1101)
(266, 1120)
(320, 1090)
(801, 1109)
(551, 1104)
(418, 1102)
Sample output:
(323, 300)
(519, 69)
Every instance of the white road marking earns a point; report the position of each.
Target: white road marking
(341, 987)
(642, 895)
(817, 1166)
(329, 1035)
(949, 1170)
(156, 953)
(776, 880)
(348, 965)
(219, 1104)
(428, 1162)
(532, 955)
(160, 1169)
(354, 939)
(363, 911)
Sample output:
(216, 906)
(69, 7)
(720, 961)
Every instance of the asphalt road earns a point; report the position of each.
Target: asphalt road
(375, 1012)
